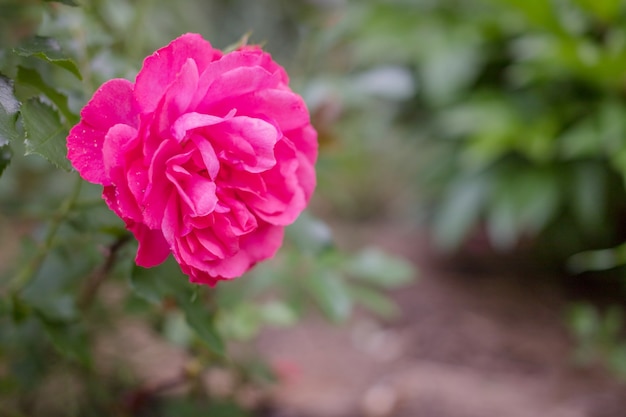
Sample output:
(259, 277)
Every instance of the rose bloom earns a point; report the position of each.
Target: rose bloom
(207, 156)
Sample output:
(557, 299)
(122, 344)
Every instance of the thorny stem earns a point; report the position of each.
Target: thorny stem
(27, 273)
(99, 275)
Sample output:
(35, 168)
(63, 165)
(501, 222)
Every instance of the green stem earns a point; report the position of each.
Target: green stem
(27, 273)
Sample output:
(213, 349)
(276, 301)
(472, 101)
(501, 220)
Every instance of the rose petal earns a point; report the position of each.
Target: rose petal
(247, 143)
(161, 68)
(153, 249)
(111, 104)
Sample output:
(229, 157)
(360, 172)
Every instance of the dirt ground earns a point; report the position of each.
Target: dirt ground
(483, 344)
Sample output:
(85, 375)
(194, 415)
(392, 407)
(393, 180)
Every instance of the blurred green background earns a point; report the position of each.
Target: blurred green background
(496, 126)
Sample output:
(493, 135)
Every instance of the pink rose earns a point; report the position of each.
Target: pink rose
(207, 156)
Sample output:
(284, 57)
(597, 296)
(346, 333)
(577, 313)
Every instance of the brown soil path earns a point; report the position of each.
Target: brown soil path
(467, 345)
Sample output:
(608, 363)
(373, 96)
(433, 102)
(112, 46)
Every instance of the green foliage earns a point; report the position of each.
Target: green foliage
(50, 51)
(30, 77)
(68, 283)
(599, 337)
(8, 117)
(68, 2)
(166, 282)
(45, 134)
(519, 112)
(9, 107)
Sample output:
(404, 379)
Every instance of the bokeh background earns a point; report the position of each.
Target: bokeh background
(476, 145)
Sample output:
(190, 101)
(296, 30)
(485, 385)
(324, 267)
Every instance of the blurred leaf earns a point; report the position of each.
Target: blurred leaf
(590, 198)
(310, 234)
(330, 292)
(584, 320)
(167, 281)
(52, 290)
(450, 68)
(241, 322)
(19, 309)
(176, 329)
(277, 313)
(524, 209)
(162, 281)
(5, 157)
(145, 283)
(58, 307)
(9, 108)
(379, 268)
(33, 78)
(606, 10)
(49, 50)
(45, 135)
(216, 408)
(375, 301)
(537, 12)
(202, 320)
(460, 211)
(391, 82)
(598, 260)
(241, 42)
(580, 140)
(68, 2)
(70, 340)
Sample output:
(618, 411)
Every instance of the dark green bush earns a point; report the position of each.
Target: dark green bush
(520, 112)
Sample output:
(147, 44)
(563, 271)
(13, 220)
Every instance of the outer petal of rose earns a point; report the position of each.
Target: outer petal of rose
(284, 198)
(259, 245)
(126, 174)
(305, 141)
(280, 105)
(176, 99)
(251, 56)
(111, 104)
(263, 59)
(118, 142)
(306, 176)
(153, 249)
(161, 68)
(234, 83)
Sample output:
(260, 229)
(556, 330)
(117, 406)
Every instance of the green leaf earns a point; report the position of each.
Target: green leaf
(177, 330)
(45, 135)
(310, 234)
(461, 211)
(144, 283)
(5, 157)
(9, 108)
(50, 51)
(278, 313)
(330, 291)
(164, 280)
(70, 340)
(202, 320)
(33, 78)
(379, 268)
(242, 323)
(67, 2)
(375, 301)
(598, 260)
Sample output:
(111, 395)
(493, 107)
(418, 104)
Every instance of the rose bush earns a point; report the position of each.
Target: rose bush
(207, 156)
